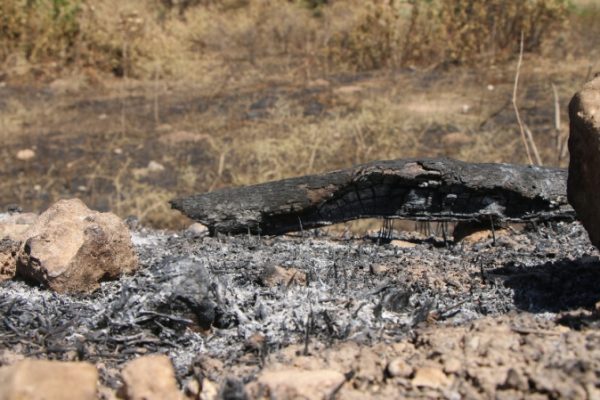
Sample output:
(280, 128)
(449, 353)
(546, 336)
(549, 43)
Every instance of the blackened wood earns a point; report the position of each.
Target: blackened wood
(420, 189)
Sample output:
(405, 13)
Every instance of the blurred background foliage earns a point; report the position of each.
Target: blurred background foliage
(134, 36)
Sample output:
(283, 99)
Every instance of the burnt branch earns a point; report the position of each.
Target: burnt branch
(419, 189)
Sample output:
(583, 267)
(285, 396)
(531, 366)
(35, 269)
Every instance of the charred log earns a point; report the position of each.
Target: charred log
(420, 189)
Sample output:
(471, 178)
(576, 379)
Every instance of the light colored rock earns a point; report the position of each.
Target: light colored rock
(12, 234)
(8, 258)
(25, 154)
(192, 388)
(430, 377)
(70, 248)
(584, 165)
(197, 230)
(294, 383)
(48, 380)
(402, 244)
(15, 225)
(399, 368)
(155, 166)
(275, 275)
(379, 269)
(210, 390)
(150, 378)
(452, 366)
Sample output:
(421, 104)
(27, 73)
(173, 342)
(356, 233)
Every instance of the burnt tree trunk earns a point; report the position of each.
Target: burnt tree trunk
(419, 189)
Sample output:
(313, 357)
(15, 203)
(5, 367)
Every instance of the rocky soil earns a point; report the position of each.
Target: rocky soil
(317, 316)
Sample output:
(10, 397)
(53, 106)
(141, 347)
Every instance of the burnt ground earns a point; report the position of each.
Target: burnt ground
(130, 147)
(511, 318)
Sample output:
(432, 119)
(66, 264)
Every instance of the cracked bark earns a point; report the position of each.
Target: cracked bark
(419, 189)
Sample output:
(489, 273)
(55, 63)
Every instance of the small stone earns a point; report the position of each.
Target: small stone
(210, 390)
(8, 258)
(399, 368)
(150, 378)
(48, 380)
(70, 248)
(452, 366)
(516, 380)
(402, 244)
(25, 154)
(296, 383)
(430, 377)
(277, 276)
(192, 388)
(154, 166)
(378, 269)
(196, 230)
(12, 234)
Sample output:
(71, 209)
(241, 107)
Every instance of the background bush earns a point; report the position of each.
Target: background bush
(137, 38)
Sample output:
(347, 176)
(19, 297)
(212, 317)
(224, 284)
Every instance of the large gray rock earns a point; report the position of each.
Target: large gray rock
(70, 248)
(583, 186)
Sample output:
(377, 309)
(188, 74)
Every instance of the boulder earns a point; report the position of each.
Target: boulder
(584, 165)
(70, 248)
(48, 380)
(150, 378)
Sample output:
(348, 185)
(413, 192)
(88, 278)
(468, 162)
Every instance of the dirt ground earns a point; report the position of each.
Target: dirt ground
(130, 146)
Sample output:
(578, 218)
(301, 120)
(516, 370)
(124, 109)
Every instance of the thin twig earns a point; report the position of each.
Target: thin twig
(514, 102)
(561, 144)
(536, 154)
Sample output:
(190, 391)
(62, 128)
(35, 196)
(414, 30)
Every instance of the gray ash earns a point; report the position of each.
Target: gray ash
(205, 297)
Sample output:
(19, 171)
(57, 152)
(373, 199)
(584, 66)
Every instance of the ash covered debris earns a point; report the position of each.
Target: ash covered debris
(193, 298)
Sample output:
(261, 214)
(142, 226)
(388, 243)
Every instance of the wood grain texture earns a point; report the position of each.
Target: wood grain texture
(420, 189)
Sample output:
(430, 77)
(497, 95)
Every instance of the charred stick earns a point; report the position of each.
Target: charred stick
(420, 189)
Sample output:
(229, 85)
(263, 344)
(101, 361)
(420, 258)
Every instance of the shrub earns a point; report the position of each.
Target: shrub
(492, 28)
(39, 29)
(429, 32)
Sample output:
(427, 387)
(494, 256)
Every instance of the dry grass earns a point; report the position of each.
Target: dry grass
(235, 93)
